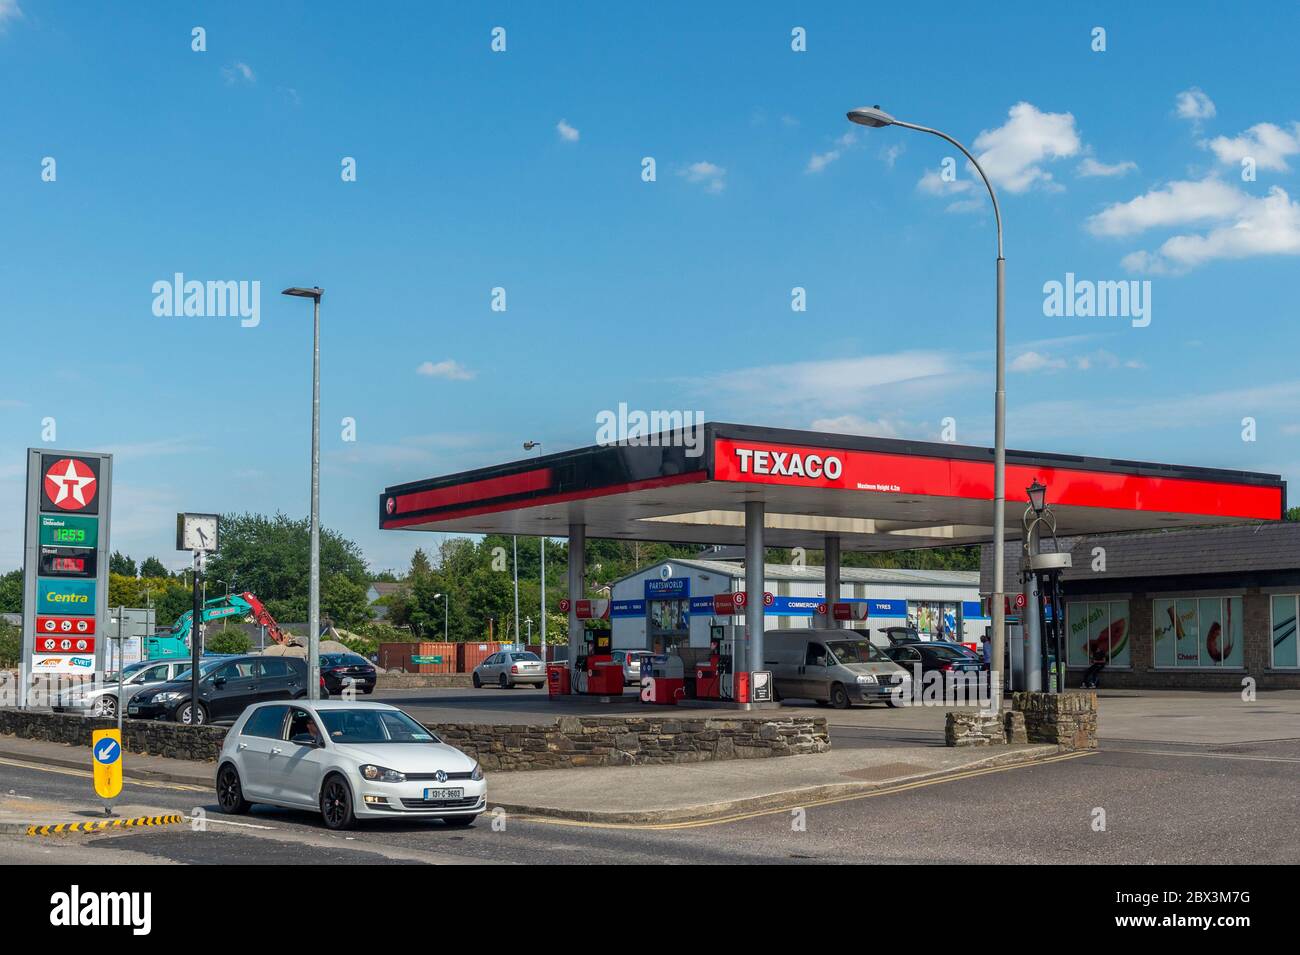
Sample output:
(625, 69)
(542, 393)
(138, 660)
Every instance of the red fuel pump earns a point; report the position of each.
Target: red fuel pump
(599, 674)
(709, 675)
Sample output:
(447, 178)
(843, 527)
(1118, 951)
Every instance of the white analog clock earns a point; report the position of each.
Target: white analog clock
(196, 532)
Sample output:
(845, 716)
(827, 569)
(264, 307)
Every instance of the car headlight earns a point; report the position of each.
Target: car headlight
(166, 697)
(477, 773)
(381, 774)
(866, 678)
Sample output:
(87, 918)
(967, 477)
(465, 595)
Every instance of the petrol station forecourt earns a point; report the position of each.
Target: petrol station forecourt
(767, 487)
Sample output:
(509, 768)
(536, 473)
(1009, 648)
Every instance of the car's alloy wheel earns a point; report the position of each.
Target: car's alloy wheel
(336, 804)
(503, 682)
(192, 714)
(106, 706)
(230, 794)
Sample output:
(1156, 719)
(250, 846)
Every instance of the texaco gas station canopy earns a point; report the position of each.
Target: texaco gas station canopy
(871, 493)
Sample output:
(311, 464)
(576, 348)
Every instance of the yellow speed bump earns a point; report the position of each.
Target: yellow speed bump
(99, 825)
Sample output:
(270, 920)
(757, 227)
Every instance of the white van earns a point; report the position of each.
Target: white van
(832, 667)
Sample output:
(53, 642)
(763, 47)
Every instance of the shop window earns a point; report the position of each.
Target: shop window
(1097, 628)
(1285, 645)
(1203, 632)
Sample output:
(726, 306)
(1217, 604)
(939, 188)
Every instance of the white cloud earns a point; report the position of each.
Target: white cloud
(820, 161)
(1012, 155)
(1035, 361)
(1091, 167)
(713, 177)
(1192, 104)
(1267, 144)
(853, 424)
(936, 185)
(891, 153)
(451, 370)
(1267, 226)
(9, 10)
(238, 73)
(1178, 203)
(568, 133)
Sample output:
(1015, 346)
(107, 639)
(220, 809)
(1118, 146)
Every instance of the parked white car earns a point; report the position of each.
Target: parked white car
(509, 669)
(348, 761)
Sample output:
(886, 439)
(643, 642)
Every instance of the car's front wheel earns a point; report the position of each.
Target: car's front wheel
(106, 705)
(190, 714)
(839, 697)
(503, 682)
(336, 804)
(478, 684)
(230, 793)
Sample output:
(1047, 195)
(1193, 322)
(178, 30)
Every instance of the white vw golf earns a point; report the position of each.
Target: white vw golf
(350, 761)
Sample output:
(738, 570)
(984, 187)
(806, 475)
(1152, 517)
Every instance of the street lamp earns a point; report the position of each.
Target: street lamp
(874, 117)
(446, 616)
(1037, 496)
(528, 446)
(313, 599)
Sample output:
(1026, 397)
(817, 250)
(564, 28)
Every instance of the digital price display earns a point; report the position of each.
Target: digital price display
(69, 531)
(67, 562)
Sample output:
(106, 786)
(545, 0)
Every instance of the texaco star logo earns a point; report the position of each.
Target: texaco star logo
(70, 484)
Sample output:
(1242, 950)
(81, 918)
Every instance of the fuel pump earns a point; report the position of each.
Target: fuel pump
(597, 672)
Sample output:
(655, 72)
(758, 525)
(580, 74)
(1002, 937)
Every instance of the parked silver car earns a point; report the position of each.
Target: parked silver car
(510, 668)
(348, 761)
(631, 661)
(101, 699)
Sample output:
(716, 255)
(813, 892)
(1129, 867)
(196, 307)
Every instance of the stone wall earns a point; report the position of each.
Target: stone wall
(402, 681)
(635, 740)
(146, 737)
(565, 743)
(1067, 719)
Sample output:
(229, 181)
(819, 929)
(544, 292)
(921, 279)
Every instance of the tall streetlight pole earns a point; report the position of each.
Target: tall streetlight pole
(446, 616)
(875, 117)
(313, 599)
(541, 623)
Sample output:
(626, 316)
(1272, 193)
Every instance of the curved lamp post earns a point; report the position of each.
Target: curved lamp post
(875, 117)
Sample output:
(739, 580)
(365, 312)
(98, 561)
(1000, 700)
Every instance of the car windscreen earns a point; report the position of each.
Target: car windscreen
(373, 726)
(947, 653)
(342, 659)
(856, 651)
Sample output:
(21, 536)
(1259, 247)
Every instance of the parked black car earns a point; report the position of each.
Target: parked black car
(947, 659)
(339, 669)
(226, 687)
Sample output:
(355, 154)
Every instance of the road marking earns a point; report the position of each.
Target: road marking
(135, 822)
(741, 817)
(1169, 752)
(231, 822)
(65, 771)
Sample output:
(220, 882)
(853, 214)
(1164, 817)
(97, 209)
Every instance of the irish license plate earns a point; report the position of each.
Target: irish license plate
(444, 794)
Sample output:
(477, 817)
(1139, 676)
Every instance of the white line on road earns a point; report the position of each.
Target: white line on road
(231, 822)
(1168, 752)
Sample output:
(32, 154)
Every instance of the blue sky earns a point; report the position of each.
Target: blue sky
(522, 170)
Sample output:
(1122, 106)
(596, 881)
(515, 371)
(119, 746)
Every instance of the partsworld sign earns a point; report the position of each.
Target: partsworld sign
(65, 563)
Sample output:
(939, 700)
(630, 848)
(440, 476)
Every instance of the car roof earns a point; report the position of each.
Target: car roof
(334, 705)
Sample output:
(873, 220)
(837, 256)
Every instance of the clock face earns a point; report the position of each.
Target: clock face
(200, 532)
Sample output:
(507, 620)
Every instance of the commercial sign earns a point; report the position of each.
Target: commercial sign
(65, 596)
(65, 563)
(674, 588)
(881, 472)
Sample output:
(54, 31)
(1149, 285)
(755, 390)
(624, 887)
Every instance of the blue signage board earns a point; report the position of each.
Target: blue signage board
(75, 597)
(883, 608)
(674, 588)
(627, 608)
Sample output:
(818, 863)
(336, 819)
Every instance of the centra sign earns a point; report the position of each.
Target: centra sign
(65, 596)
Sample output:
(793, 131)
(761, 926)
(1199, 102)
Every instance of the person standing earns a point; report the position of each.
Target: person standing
(1099, 662)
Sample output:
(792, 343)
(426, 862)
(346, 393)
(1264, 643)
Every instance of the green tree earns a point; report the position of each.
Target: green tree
(171, 603)
(11, 645)
(271, 557)
(119, 563)
(228, 640)
(420, 565)
(11, 592)
(343, 600)
(153, 567)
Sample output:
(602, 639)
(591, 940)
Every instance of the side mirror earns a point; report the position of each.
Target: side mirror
(304, 739)
(218, 681)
